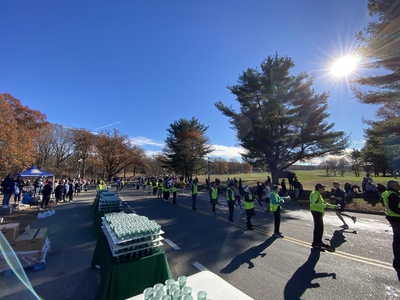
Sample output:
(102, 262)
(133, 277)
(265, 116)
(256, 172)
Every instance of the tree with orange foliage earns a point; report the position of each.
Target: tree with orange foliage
(19, 126)
(115, 152)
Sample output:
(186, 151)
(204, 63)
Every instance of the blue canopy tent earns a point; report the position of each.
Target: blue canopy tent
(35, 172)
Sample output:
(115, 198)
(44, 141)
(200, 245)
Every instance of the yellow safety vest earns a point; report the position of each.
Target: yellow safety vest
(385, 197)
(232, 195)
(194, 189)
(317, 202)
(214, 193)
(248, 204)
(274, 201)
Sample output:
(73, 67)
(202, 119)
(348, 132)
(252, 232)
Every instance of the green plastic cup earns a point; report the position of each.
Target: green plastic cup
(202, 295)
(187, 290)
(177, 294)
(148, 293)
(182, 281)
(172, 288)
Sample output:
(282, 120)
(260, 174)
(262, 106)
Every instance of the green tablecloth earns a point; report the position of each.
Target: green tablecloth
(124, 279)
(97, 222)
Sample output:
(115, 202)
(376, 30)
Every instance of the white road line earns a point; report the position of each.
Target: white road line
(129, 206)
(199, 266)
(173, 245)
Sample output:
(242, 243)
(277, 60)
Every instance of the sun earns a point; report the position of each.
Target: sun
(344, 66)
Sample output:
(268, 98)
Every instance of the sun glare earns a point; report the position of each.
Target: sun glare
(344, 66)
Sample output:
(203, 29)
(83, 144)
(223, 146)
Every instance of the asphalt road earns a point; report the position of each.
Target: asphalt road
(253, 261)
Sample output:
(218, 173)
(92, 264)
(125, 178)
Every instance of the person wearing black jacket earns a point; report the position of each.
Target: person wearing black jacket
(8, 185)
(46, 194)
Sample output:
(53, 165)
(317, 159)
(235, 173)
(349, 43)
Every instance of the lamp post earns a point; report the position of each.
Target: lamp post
(208, 171)
(79, 168)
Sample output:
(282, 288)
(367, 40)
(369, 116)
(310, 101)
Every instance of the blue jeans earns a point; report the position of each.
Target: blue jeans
(6, 199)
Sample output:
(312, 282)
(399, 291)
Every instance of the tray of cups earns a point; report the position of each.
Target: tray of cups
(127, 248)
(137, 238)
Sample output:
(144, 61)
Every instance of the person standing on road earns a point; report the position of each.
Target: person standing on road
(275, 206)
(230, 198)
(175, 187)
(165, 189)
(213, 196)
(99, 187)
(46, 194)
(8, 186)
(317, 207)
(248, 206)
(71, 189)
(20, 183)
(339, 196)
(195, 191)
(391, 201)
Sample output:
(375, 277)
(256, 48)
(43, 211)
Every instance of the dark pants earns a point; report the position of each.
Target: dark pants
(396, 243)
(231, 206)
(213, 207)
(194, 196)
(174, 197)
(45, 201)
(318, 227)
(249, 214)
(277, 222)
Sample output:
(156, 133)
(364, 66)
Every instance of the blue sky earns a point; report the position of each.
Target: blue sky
(138, 66)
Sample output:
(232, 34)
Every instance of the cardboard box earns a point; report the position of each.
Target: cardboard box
(32, 240)
(10, 231)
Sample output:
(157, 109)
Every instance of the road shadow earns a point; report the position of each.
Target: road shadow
(302, 279)
(247, 256)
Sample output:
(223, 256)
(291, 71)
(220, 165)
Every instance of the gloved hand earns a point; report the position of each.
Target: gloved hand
(281, 201)
(337, 206)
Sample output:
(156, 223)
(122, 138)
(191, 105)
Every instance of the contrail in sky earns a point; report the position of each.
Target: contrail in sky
(119, 122)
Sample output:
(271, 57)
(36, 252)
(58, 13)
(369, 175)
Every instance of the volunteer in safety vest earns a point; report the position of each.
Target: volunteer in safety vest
(391, 201)
(165, 189)
(275, 206)
(248, 206)
(213, 196)
(195, 191)
(159, 189)
(175, 187)
(154, 185)
(230, 199)
(317, 207)
(101, 186)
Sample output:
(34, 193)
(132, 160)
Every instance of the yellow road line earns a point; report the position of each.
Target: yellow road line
(350, 256)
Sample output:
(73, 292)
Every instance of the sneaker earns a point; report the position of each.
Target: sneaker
(278, 235)
(345, 226)
(354, 219)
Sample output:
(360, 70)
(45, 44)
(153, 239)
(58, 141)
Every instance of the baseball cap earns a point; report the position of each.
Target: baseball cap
(392, 183)
(336, 182)
(319, 185)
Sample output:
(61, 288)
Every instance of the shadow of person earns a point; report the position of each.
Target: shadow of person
(337, 239)
(301, 280)
(248, 255)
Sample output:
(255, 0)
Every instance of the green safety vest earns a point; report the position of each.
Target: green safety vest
(248, 204)
(175, 187)
(194, 189)
(232, 195)
(385, 197)
(214, 193)
(317, 202)
(274, 203)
